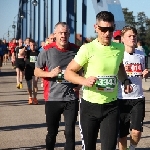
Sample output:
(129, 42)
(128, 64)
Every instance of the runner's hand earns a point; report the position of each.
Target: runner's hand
(90, 81)
(54, 72)
(145, 73)
(77, 88)
(128, 87)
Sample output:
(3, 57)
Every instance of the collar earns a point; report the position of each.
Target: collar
(51, 45)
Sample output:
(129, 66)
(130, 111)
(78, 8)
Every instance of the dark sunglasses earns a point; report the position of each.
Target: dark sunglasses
(105, 29)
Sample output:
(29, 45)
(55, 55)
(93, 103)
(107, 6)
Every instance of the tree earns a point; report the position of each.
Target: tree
(141, 22)
(147, 38)
(129, 18)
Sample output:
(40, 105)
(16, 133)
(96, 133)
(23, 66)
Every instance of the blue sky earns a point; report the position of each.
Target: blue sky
(9, 9)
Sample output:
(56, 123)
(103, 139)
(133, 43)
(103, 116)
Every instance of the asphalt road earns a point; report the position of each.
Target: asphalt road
(22, 126)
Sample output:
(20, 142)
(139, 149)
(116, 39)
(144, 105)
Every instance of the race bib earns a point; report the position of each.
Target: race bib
(133, 69)
(33, 59)
(106, 83)
(60, 77)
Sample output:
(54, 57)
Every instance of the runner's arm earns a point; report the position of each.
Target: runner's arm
(22, 52)
(71, 74)
(122, 73)
(38, 72)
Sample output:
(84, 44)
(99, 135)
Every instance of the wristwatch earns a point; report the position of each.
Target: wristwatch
(126, 82)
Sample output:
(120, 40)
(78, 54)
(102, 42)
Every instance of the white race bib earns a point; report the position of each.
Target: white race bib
(106, 83)
(33, 59)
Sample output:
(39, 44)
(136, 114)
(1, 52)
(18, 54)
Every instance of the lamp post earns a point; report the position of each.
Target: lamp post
(35, 3)
(14, 27)
(23, 15)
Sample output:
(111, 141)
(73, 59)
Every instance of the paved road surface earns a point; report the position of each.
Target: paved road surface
(22, 126)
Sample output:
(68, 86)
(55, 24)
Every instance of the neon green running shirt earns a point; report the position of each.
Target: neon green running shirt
(102, 62)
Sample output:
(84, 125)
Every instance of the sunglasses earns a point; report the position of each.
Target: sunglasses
(105, 29)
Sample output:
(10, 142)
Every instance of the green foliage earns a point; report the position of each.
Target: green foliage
(141, 22)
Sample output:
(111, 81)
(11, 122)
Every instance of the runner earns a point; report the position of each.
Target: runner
(5, 58)
(58, 93)
(132, 105)
(101, 60)
(27, 43)
(12, 46)
(20, 64)
(1, 54)
(51, 38)
(31, 58)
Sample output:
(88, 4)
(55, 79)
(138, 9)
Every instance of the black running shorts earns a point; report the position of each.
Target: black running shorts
(132, 113)
(29, 73)
(20, 63)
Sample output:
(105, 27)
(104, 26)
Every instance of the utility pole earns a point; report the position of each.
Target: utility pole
(8, 35)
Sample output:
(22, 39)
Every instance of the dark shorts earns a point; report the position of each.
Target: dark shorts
(29, 73)
(132, 113)
(1, 61)
(5, 52)
(20, 63)
(9, 53)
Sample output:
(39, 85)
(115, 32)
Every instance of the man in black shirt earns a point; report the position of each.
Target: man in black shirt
(31, 58)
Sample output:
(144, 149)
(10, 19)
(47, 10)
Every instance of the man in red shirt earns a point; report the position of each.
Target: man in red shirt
(12, 46)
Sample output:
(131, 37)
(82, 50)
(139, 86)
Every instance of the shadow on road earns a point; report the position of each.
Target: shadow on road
(19, 102)
(39, 147)
(20, 127)
(146, 122)
(12, 73)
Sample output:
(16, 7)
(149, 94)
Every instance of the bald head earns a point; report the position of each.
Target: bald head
(51, 38)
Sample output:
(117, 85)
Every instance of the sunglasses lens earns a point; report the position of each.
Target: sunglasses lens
(111, 29)
(105, 29)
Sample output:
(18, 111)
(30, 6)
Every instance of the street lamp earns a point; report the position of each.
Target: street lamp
(14, 27)
(22, 15)
(35, 3)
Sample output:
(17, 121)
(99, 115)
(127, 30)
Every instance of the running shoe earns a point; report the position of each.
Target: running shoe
(21, 85)
(18, 86)
(35, 101)
(30, 100)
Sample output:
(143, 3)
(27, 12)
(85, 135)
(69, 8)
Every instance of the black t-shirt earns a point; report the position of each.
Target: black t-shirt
(31, 59)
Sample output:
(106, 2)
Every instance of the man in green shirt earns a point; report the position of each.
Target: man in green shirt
(101, 60)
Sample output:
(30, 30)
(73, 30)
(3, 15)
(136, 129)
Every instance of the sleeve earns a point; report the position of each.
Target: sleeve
(122, 49)
(41, 60)
(82, 55)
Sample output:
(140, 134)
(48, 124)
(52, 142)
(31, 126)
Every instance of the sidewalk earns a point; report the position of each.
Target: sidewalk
(23, 127)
